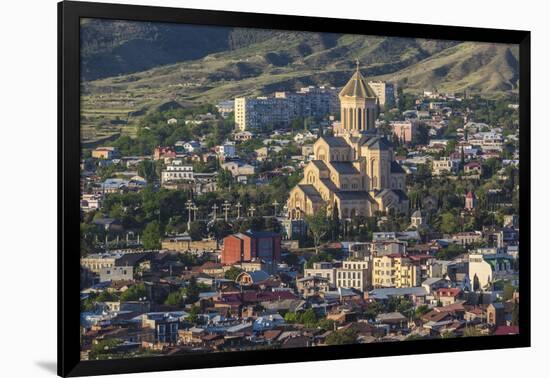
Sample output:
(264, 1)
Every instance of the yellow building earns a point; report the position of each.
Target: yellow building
(394, 271)
(95, 262)
(355, 169)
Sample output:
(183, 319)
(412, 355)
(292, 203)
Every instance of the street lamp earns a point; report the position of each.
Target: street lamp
(214, 208)
(238, 206)
(189, 205)
(226, 206)
(107, 226)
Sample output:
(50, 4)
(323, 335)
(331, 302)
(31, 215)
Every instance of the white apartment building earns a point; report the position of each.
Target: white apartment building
(354, 274)
(177, 171)
(282, 108)
(384, 91)
(322, 269)
(90, 202)
(259, 113)
(442, 166)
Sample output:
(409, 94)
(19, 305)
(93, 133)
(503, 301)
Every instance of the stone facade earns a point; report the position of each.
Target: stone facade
(355, 169)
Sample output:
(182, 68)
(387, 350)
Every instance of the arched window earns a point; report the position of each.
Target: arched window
(359, 119)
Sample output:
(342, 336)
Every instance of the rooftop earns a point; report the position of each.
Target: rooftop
(357, 86)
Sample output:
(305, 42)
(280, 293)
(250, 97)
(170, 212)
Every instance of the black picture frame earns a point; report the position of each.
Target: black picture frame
(69, 14)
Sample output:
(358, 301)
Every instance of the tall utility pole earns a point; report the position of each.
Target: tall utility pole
(189, 205)
(157, 212)
(238, 206)
(195, 208)
(107, 226)
(275, 204)
(214, 208)
(226, 206)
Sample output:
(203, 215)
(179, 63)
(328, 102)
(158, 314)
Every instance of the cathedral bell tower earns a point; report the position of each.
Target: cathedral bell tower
(358, 105)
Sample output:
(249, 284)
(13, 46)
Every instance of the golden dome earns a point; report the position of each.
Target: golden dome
(357, 87)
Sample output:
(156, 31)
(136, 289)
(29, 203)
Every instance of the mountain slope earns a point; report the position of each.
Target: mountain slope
(483, 68)
(152, 64)
(112, 48)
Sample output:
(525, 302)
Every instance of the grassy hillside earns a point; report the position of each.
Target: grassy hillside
(222, 63)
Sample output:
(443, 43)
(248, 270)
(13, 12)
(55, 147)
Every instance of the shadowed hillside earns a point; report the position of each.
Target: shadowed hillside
(129, 68)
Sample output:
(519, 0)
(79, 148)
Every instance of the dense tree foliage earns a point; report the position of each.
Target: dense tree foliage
(341, 337)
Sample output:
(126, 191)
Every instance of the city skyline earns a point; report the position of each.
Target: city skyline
(332, 190)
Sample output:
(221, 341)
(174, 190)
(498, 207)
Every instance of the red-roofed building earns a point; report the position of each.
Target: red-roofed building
(163, 153)
(448, 296)
(506, 330)
(252, 297)
(472, 168)
(470, 202)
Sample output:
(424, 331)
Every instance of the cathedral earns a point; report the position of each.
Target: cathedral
(355, 169)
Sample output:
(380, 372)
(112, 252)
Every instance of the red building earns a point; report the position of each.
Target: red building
(470, 202)
(163, 152)
(251, 245)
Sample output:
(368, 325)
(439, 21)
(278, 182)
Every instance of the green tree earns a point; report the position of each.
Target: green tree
(450, 146)
(175, 298)
(449, 223)
(326, 324)
(318, 226)
(106, 296)
(103, 347)
(291, 317)
(232, 273)
(373, 310)
(151, 236)
(341, 337)
(192, 290)
(220, 229)
(422, 135)
(194, 312)
(197, 230)
(450, 252)
(335, 222)
(421, 310)
(224, 179)
(309, 318)
(134, 293)
(147, 170)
